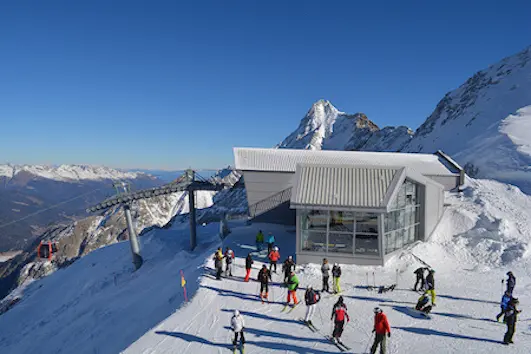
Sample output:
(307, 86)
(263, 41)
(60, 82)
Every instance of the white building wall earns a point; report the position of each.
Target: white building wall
(261, 185)
(449, 182)
(434, 204)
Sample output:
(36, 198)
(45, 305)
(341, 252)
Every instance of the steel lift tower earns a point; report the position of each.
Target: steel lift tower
(188, 182)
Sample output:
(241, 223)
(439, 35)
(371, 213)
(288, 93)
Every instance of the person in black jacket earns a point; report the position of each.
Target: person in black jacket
(511, 316)
(264, 276)
(511, 282)
(336, 274)
(288, 267)
(248, 265)
(420, 278)
(311, 297)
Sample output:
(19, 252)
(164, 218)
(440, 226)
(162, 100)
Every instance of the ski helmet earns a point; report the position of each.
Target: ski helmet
(509, 273)
(335, 264)
(310, 287)
(276, 248)
(264, 266)
(377, 310)
(289, 257)
(236, 313)
(340, 300)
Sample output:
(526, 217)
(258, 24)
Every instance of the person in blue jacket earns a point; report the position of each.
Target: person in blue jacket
(270, 242)
(503, 304)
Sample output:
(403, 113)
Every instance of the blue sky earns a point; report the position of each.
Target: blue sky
(169, 85)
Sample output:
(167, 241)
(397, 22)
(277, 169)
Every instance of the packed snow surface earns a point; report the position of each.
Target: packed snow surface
(68, 172)
(98, 305)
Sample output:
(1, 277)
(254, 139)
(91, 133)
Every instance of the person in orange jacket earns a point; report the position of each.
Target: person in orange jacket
(273, 256)
(382, 328)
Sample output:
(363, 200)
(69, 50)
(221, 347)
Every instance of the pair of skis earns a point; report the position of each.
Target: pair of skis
(291, 309)
(340, 345)
(309, 325)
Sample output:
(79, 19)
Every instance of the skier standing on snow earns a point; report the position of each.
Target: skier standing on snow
(420, 278)
(311, 297)
(293, 285)
(264, 276)
(218, 263)
(506, 298)
(325, 270)
(270, 242)
(339, 313)
(336, 274)
(248, 265)
(381, 327)
(511, 282)
(259, 240)
(287, 268)
(229, 258)
(430, 286)
(273, 256)
(238, 325)
(511, 316)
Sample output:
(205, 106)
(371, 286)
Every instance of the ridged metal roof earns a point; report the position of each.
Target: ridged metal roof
(286, 160)
(344, 186)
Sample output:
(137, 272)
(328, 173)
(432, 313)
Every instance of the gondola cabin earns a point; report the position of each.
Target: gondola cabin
(46, 250)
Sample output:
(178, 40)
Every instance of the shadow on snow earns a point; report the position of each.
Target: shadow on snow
(243, 296)
(432, 332)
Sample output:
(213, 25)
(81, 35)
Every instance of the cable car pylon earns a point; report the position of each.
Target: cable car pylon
(125, 197)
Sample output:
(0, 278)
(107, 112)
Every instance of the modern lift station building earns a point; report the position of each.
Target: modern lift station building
(348, 206)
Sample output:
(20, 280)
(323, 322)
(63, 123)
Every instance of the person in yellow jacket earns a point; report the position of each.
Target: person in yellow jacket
(259, 241)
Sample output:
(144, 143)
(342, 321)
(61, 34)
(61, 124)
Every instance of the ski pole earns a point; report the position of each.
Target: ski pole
(373, 279)
(367, 273)
(502, 285)
(368, 343)
(396, 282)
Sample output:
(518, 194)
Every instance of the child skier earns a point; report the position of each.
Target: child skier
(420, 278)
(325, 270)
(430, 286)
(511, 316)
(287, 268)
(238, 325)
(381, 327)
(336, 274)
(248, 265)
(264, 276)
(423, 304)
(311, 297)
(273, 256)
(259, 241)
(506, 298)
(293, 285)
(339, 313)
(229, 258)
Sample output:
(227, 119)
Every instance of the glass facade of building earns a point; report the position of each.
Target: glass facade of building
(344, 233)
(339, 232)
(402, 223)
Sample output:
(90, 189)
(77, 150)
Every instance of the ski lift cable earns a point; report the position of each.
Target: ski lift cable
(49, 208)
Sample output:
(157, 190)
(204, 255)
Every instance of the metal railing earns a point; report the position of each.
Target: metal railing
(270, 203)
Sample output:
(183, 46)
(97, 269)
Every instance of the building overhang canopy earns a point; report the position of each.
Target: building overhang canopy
(355, 188)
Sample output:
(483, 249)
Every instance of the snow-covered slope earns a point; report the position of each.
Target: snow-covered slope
(325, 127)
(67, 173)
(98, 305)
(485, 124)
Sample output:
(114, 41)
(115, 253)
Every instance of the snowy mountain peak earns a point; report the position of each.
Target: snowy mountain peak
(325, 127)
(68, 172)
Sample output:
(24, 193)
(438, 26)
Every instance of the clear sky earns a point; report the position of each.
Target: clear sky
(173, 84)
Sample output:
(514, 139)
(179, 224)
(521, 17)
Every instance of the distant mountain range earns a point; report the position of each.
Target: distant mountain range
(44, 195)
(485, 125)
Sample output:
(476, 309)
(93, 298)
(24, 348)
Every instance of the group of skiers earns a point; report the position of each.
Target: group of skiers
(340, 315)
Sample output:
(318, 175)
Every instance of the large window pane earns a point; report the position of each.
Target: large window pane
(401, 198)
(340, 242)
(399, 238)
(367, 244)
(366, 223)
(390, 241)
(317, 220)
(342, 221)
(313, 241)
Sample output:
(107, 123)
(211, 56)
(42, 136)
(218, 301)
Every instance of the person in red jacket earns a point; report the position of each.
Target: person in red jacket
(339, 313)
(381, 327)
(273, 256)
